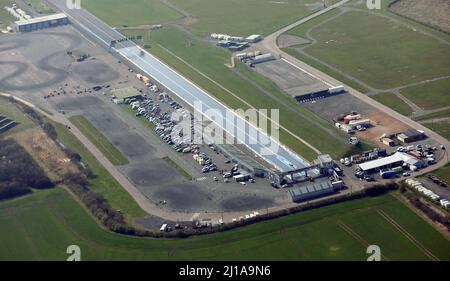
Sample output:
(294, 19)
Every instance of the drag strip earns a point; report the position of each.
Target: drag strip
(269, 149)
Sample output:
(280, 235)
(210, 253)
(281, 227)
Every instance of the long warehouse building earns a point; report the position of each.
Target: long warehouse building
(264, 146)
(38, 23)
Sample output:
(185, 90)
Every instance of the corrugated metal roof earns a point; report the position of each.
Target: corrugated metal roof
(41, 19)
(310, 188)
(396, 157)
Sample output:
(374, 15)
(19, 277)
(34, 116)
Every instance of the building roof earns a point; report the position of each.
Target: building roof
(124, 93)
(412, 133)
(396, 157)
(253, 37)
(310, 188)
(42, 19)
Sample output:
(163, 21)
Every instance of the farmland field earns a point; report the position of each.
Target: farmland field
(99, 140)
(41, 226)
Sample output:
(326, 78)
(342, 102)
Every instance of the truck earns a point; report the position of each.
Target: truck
(336, 90)
(397, 170)
(242, 178)
(388, 174)
(163, 227)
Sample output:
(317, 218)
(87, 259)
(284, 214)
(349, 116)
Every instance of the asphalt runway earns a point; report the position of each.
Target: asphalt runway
(279, 156)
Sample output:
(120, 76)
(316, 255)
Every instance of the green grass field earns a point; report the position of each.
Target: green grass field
(394, 102)
(438, 114)
(11, 111)
(325, 69)
(243, 17)
(99, 140)
(239, 18)
(40, 6)
(442, 128)
(102, 182)
(210, 61)
(42, 225)
(430, 95)
(5, 17)
(131, 13)
(302, 29)
(379, 52)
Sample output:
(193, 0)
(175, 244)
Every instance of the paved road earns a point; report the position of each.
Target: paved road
(246, 133)
(270, 44)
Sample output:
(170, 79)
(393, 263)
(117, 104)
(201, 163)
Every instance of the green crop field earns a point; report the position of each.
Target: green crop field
(431, 95)
(394, 102)
(99, 140)
(131, 13)
(382, 53)
(102, 181)
(42, 225)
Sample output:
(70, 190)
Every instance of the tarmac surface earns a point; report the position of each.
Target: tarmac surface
(274, 153)
(290, 79)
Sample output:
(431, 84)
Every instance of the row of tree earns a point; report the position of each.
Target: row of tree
(427, 209)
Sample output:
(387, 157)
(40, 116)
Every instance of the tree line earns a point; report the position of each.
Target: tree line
(19, 173)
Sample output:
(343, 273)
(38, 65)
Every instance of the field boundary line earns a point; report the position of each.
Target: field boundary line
(240, 99)
(356, 236)
(409, 236)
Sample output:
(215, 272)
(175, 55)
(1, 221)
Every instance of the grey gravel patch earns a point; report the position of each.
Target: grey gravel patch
(94, 72)
(151, 174)
(183, 196)
(244, 203)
